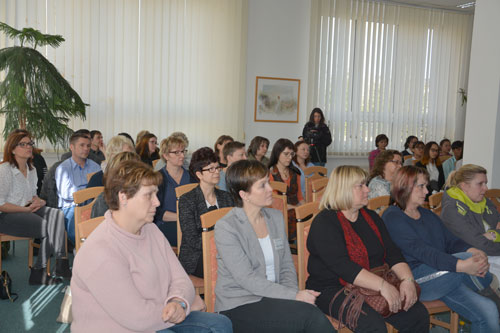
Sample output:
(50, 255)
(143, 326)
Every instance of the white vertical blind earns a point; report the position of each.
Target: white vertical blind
(384, 68)
(164, 66)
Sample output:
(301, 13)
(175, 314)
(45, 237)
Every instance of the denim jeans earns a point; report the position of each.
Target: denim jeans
(459, 292)
(69, 221)
(202, 322)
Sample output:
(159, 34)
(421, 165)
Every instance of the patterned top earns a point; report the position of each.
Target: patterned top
(378, 187)
(14, 187)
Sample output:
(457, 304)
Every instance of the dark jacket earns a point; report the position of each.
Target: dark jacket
(96, 179)
(191, 206)
(49, 187)
(100, 206)
(441, 179)
(318, 140)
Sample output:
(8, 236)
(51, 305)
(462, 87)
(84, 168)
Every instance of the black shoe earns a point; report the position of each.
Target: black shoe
(62, 268)
(39, 276)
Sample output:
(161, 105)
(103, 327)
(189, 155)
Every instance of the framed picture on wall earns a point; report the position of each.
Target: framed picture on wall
(277, 100)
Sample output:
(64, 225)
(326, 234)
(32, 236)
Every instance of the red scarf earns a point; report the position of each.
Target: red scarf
(355, 247)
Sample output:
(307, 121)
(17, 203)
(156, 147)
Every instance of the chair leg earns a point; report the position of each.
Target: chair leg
(13, 247)
(453, 322)
(30, 254)
(0, 257)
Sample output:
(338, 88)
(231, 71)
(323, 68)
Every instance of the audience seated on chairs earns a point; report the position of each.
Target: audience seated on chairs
(91, 155)
(257, 150)
(381, 142)
(431, 162)
(430, 248)
(100, 206)
(302, 160)
(116, 145)
(147, 148)
(385, 167)
(203, 198)
(161, 163)
(418, 153)
(126, 276)
(219, 149)
(71, 176)
(256, 279)
(282, 170)
(97, 145)
(24, 214)
(172, 152)
(233, 152)
(346, 240)
(445, 147)
(409, 145)
(469, 215)
(449, 164)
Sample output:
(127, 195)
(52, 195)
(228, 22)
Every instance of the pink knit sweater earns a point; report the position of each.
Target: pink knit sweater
(121, 281)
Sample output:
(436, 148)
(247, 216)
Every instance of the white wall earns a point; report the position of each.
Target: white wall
(482, 123)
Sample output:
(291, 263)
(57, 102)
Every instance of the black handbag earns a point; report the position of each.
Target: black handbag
(6, 287)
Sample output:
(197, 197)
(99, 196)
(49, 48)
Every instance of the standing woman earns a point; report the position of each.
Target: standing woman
(431, 162)
(317, 134)
(381, 142)
(258, 149)
(203, 198)
(345, 241)
(219, 147)
(24, 214)
(173, 152)
(302, 160)
(385, 167)
(256, 279)
(147, 148)
(282, 170)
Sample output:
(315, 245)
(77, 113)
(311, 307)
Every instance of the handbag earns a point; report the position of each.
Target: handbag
(356, 296)
(6, 287)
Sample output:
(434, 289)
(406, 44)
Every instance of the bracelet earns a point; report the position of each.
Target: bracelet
(408, 279)
(381, 286)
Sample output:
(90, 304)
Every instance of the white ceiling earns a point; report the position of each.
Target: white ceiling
(443, 4)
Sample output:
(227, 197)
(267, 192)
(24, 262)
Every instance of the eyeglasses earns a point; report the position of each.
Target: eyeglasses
(26, 144)
(434, 150)
(178, 152)
(292, 154)
(212, 169)
(397, 162)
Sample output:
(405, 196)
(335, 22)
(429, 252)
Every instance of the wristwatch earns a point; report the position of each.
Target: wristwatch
(181, 303)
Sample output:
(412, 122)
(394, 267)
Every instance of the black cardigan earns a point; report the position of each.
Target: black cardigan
(318, 142)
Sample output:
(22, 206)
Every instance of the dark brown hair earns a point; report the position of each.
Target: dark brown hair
(143, 146)
(255, 144)
(241, 175)
(318, 111)
(200, 159)
(11, 143)
(231, 147)
(220, 141)
(296, 147)
(379, 138)
(381, 160)
(403, 183)
(426, 158)
(278, 148)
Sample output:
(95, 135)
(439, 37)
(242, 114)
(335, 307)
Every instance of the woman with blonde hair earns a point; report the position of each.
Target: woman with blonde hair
(345, 241)
(469, 215)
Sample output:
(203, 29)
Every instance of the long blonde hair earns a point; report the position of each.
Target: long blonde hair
(464, 175)
(338, 192)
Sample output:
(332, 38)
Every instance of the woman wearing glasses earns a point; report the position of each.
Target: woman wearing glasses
(431, 162)
(203, 198)
(173, 152)
(24, 214)
(282, 170)
(385, 167)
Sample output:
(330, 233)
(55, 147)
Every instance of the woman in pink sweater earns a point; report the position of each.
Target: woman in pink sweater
(126, 278)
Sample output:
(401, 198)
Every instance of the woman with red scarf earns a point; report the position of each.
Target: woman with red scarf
(345, 241)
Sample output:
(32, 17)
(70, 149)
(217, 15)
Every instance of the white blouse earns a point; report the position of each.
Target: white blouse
(14, 187)
(267, 248)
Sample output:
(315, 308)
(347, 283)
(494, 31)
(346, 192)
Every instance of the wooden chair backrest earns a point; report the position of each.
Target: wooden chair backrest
(312, 173)
(155, 162)
(279, 187)
(435, 202)
(89, 175)
(85, 228)
(407, 157)
(444, 158)
(280, 203)
(305, 215)
(82, 213)
(318, 188)
(208, 221)
(180, 190)
(494, 195)
(381, 203)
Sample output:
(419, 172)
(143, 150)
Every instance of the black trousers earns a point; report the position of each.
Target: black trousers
(275, 315)
(415, 320)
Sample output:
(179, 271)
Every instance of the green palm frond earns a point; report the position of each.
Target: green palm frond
(32, 36)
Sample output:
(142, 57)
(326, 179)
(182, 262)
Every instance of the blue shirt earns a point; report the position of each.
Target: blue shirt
(70, 177)
(302, 178)
(222, 181)
(449, 166)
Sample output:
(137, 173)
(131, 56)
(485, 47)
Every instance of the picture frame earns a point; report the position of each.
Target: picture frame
(277, 100)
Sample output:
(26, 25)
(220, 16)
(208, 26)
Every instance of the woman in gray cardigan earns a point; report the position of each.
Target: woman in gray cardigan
(256, 282)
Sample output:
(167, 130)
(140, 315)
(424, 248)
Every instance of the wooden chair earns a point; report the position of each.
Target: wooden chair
(312, 173)
(279, 187)
(155, 162)
(31, 245)
(280, 203)
(85, 228)
(180, 190)
(305, 214)
(444, 158)
(89, 175)
(494, 195)
(407, 157)
(82, 213)
(437, 306)
(318, 187)
(381, 203)
(435, 202)
(208, 221)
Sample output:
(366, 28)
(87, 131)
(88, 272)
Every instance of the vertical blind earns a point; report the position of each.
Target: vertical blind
(159, 65)
(384, 68)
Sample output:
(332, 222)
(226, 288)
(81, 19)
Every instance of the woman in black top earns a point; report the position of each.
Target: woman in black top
(431, 162)
(318, 136)
(147, 148)
(345, 241)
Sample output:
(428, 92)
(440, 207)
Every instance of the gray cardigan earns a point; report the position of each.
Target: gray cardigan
(241, 274)
(469, 226)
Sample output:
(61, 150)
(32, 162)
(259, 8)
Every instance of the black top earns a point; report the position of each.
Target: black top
(96, 179)
(41, 170)
(318, 138)
(440, 182)
(329, 260)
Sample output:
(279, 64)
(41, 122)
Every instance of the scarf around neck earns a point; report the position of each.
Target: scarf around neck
(477, 207)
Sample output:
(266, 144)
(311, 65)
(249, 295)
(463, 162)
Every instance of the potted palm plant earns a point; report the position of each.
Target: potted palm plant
(33, 94)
